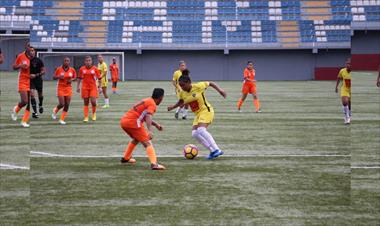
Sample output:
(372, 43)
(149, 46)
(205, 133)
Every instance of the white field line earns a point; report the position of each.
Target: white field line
(46, 154)
(10, 166)
(365, 167)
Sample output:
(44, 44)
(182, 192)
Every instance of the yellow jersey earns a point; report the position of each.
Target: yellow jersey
(345, 89)
(102, 67)
(177, 74)
(196, 97)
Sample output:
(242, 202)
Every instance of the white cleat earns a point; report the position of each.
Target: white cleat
(25, 124)
(14, 114)
(62, 122)
(346, 120)
(54, 116)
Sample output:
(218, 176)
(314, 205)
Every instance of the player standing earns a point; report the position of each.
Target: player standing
(114, 69)
(37, 70)
(194, 95)
(249, 87)
(345, 90)
(132, 123)
(102, 67)
(177, 74)
(65, 75)
(22, 64)
(89, 74)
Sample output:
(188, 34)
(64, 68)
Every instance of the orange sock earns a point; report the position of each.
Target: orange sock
(93, 109)
(55, 110)
(85, 111)
(239, 103)
(25, 118)
(151, 154)
(113, 89)
(17, 109)
(256, 102)
(63, 115)
(129, 150)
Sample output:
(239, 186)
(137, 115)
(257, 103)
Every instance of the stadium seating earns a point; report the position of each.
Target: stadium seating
(190, 23)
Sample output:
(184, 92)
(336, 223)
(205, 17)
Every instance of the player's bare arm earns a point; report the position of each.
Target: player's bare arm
(157, 125)
(217, 88)
(179, 103)
(148, 121)
(78, 84)
(337, 83)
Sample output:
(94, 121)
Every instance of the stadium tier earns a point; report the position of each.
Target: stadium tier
(226, 24)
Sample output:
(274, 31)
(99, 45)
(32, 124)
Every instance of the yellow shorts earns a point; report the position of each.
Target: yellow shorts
(345, 93)
(104, 82)
(204, 117)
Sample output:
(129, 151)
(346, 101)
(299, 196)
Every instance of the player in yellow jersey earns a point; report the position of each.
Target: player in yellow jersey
(194, 95)
(344, 76)
(102, 67)
(177, 74)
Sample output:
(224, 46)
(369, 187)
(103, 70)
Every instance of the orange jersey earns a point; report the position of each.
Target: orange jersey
(89, 76)
(249, 74)
(24, 74)
(114, 68)
(135, 117)
(64, 85)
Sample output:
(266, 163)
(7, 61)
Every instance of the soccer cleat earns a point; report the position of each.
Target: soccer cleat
(85, 119)
(239, 110)
(258, 111)
(346, 121)
(53, 116)
(35, 115)
(14, 114)
(106, 106)
(62, 122)
(131, 160)
(184, 117)
(215, 154)
(25, 124)
(176, 115)
(157, 166)
(41, 109)
(93, 117)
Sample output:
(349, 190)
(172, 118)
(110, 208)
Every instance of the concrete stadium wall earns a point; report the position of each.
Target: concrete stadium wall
(10, 48)
(215, 65)
(365, 50)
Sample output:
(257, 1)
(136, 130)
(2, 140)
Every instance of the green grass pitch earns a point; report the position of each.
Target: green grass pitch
(295, 163)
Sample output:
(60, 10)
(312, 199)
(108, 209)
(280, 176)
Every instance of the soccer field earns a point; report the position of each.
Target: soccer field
(296, 163)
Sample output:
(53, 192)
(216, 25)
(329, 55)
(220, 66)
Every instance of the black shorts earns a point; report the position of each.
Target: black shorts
(36, 84)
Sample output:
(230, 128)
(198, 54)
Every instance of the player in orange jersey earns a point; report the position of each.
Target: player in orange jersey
(88, 75)
(132, 123)
(65, 75)
(249, 86)
(114, 69)
(22, 64)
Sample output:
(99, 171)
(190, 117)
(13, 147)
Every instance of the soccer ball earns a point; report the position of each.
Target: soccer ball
(190, 151)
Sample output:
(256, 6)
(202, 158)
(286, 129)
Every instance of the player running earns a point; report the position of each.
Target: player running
(114, 69)
(132, 123)
(249, 86)
(22, 64)
(37, 70)
(65, 75)
(102, 67)
(177, 74)
(194, 95)
(345, 90)
(89, 74)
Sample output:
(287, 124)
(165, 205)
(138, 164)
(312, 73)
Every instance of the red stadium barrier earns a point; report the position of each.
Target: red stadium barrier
(326, 73)
(365, 62)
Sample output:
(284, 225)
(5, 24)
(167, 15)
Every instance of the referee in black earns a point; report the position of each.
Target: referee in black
(36, 85)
